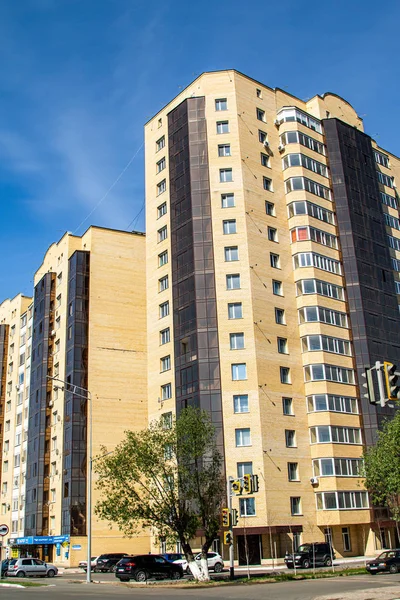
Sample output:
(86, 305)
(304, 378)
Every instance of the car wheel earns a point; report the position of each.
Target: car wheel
(51, 573)
(306, 564)
(20, 574)
(218, 567)
(188, 571)
(113, 569)
(141, 576)
(328, 561)
(393, 569)
(176, 575)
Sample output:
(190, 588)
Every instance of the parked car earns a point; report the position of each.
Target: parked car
(4, 567)
(214, 561)
(93, 562)
(317, 553)
(178, 559)
(107, 562)
(386, 561)
(30, 567)
(145, 566)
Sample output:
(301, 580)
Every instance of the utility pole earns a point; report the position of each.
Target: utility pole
(231, 548)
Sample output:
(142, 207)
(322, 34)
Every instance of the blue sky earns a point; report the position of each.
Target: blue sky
(79, 78)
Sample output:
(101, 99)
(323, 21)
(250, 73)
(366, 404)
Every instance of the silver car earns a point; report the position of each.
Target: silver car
(30, 567)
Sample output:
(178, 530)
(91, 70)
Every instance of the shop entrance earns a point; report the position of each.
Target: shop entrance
(249, 549)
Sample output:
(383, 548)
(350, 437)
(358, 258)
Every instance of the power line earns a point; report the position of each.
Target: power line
(128, 164)
(133, 222)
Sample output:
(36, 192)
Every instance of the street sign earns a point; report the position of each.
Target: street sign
(4, 530)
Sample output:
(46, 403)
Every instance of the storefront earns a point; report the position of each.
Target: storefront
(50, 548)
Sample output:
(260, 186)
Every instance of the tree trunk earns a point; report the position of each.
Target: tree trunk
(194, 567)
(204, 568)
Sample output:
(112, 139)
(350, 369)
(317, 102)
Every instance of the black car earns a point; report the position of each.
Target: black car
(4, 567)
(387, 561)
(107, 562)
(144, 566)
(307, 555)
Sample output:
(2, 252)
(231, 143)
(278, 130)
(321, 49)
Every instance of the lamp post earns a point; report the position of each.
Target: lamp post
(82, 392)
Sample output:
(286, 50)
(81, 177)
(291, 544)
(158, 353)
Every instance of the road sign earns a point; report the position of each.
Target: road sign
(4, 530)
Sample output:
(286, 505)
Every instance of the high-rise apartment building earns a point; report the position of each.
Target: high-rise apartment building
(273, 260)
(87, 331)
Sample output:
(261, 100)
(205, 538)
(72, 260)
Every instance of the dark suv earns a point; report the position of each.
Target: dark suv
(307, 555)
(107, 562)
(144, 566)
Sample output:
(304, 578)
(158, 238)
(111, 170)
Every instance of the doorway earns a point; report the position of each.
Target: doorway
(250, 547)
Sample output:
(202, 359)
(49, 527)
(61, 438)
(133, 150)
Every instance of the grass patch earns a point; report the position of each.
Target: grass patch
(21, 582)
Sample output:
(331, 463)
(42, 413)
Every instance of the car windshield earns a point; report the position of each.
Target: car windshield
(385, 555)
(13, 561)
(304, 548)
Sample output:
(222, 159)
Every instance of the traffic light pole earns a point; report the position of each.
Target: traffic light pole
(231, 548)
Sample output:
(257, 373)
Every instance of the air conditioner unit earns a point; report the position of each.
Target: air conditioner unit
(53, 333)
(281, 147)
(57, 451)
(51, 403)
(266, 143)
(277, 122)
(314, 480)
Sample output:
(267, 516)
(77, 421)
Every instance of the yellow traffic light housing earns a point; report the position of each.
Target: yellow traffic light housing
(228, 538)
(391, 380)
(248, 483)
(236, 487)
(225, 517)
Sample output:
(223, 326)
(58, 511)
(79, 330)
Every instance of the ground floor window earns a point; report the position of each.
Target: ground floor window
(346, 539)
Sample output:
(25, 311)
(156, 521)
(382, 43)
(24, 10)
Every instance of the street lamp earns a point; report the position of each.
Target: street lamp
(82, 392)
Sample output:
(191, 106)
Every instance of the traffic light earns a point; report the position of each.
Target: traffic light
(236, 487)
(228, 538)
(391, 380)
(225, 517)
(255, 483)
(369, 385)
(234, 514)
(248, 483)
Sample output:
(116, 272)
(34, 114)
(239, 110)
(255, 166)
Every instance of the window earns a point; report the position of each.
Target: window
(389, 200)
(282, 345)
(236, 341)
(296, 137)
(342, 500)
(241, 404)
(332, 434)
(381, 159)
(244, 468)
(7, 426)
(385, 179)
(233, 282)
(262, 137)
(301, 234)
(229, 226)
(328, 402)
(267, 184)
(304, 207)
(312, 343)
(260, 114)
(302, 183)
(235, 310)
(5, 466)
(162, 234)
(295, 114)
(323, 372)
(231, 253)
(223, 127)
(225, 175)
(161, 187)
(259, 93)
(59, 279)
(290, 438)
(270, 209)
(285, 374)
(287, 406)
(163, 258)
(264, 160)
(272, 234)
(163, 283)
(160, 122)
(221, 104)
(293, 471)
(166, 391)
(239, 371)
(247, 507)
(274, 260)
(346, 539)
(160, 144)
(227, 200)
(54, 443)
(164, 309)
(224, 150)
(322, 315)
(53, 495)
(322, 288)
(297, 160)
(389, 220)
(164, 336)
(242, 437)
(165, 363)
(162, 210)
(167, 420)
(161, 165)
(337, 467)
(280, 316)
(295, 505)
(277, 288)
(394, 242)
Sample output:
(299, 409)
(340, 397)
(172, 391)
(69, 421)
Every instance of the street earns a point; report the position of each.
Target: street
(63, 589)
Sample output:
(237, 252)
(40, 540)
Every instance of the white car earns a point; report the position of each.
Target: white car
(214, 561)
(93, 562)
(178, 559)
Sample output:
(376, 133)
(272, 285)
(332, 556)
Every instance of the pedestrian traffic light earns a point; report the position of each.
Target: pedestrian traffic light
(248, 483)
(368, 385)
(255, 483)
(234, 516)
(228, 538)
(236, 487)
(391, 380)
(225, 517)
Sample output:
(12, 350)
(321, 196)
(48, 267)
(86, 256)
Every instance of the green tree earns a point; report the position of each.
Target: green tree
(382, 468)
(168, 477)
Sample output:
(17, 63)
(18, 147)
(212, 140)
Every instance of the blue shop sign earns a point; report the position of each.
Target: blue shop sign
(41, 539)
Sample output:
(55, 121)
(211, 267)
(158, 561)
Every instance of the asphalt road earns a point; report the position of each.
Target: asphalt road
(63, 589)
